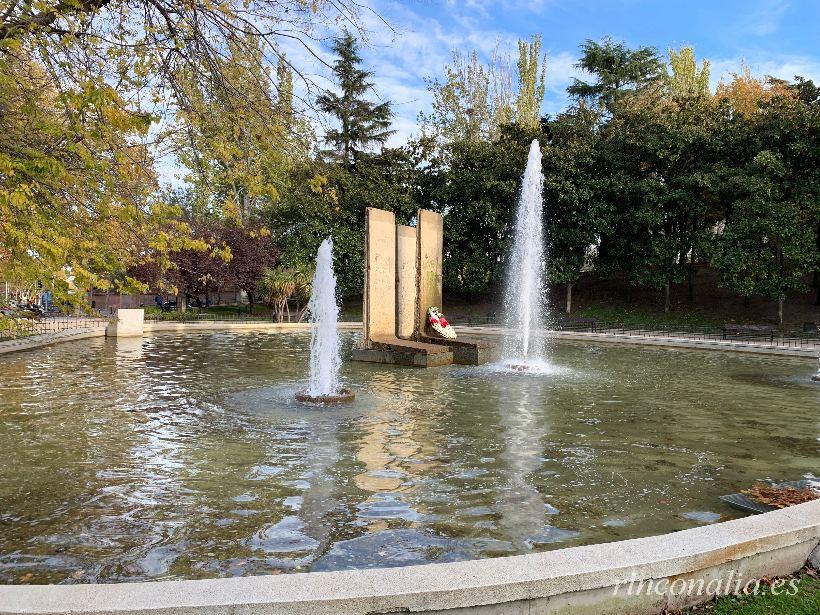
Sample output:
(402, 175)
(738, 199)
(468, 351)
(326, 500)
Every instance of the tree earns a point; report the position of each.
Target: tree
(658, 150)
(331, 201)
(77, 202)
(571, 192)
(252, 250)
(150, 43)
(688, 87)
(79, 192)
(193, 271)
(684, 78)
(476, 100)
(476, 185)
(616, 70)
(361, 122)
(227, 255)
(746, 94)
(770, 188)
(531, 87)
(279, 285)
(463, 106)
(284, 102)
(240, 150)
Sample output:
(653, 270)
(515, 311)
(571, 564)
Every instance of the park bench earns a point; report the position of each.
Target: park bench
(748, 332)
(578, 324)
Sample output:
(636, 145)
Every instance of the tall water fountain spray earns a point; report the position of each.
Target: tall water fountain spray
(324, 385)
(525, 296)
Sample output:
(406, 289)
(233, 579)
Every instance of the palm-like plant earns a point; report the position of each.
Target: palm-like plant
(280, 284)
(303, 291)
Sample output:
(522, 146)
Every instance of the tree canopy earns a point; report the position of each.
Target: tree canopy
(362, 123)
(649, 174)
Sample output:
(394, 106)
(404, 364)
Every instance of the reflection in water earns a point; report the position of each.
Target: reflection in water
(319, 499)
(185, 456)
(521, 506)
(394, 449)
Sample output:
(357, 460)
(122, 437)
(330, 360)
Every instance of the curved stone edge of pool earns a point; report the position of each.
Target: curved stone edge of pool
(589, 579)
(207, 325)
(69, 335)
(47, 339)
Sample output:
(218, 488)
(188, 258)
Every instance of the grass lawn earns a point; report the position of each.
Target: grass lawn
(805, 602)
(614, 313)
(643, 316)
(259, 311)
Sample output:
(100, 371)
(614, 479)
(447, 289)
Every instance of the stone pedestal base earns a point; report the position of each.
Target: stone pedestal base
(395, 351)
(465, 351)
(128, 323)
(395, 357)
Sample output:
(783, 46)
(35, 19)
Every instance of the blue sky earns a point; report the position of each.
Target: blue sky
(777, 37)
(773, 37)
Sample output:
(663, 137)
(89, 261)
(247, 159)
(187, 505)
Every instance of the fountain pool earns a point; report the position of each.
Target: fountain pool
(186, 455)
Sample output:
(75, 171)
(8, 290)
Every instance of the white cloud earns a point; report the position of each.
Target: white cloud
(419, 48)
(765, 17)
(763, 63)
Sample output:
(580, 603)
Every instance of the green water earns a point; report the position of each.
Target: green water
(183, 456)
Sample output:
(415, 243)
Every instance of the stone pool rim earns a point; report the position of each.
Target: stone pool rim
(771, 544)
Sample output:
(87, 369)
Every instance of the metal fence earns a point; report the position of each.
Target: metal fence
(13, 328)
(772, 338)
(16, 328)
(765, 336)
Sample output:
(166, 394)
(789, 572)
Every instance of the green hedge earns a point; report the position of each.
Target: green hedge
(13, 327)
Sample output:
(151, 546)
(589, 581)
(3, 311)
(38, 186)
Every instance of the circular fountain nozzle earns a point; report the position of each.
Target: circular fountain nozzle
(519, 367)
(343, 396)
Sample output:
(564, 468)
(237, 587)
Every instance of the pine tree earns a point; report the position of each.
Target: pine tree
(362, 122)
(616, 69)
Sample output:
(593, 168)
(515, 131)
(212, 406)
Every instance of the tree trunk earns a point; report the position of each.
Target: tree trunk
(692, 259)
(817, 271)
(782, 296)
(816, 284)
(182, 302)
(569, 297)
(691, 285)
(250, 302)
(667, 297)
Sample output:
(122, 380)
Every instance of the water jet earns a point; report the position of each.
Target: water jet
(525, 296)
(323, 384)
